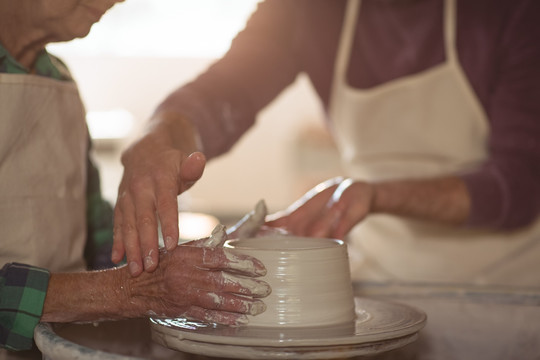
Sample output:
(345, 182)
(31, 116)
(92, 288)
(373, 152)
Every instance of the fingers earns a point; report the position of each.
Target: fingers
(217, 317)
(302, 215)
(345, 224)
(224, 282)
(240, 285)
(332, 214)
(145, 235)
(330, 209)
(325, 225)
(144, 198)
(270, 230)
(118, 250)
(135, 231)
(213, 282)
(168, 188)
(243, 285)
(349, 204)
(228, 260)
(218, 258)
(139, 227)
(125, 232)
(167, 209)
(229, 302)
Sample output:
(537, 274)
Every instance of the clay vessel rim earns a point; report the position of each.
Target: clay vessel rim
(284, 243)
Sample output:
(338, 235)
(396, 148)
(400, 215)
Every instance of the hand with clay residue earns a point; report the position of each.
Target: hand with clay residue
(203, 282)
(200, 280)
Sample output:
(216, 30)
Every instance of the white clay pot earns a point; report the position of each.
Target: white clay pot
(310, 280)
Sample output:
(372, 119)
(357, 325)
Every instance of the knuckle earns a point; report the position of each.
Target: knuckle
(145, 221)
(164, 177)
(138, 184)
(167, 202)
(128, 229)
(117, 233)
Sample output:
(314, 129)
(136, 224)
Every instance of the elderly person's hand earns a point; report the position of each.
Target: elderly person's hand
(211, 284)
(155, 173)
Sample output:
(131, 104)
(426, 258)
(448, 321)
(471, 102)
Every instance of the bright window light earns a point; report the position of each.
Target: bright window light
(193, 226)
(163, 28)
(109, 125)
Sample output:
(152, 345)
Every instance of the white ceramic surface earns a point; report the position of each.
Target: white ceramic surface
(379, 326)
(310, 280)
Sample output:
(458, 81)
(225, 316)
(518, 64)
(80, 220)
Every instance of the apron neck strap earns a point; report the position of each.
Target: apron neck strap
(450, 20)
(347, 37)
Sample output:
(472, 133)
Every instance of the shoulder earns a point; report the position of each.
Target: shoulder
(499, 17)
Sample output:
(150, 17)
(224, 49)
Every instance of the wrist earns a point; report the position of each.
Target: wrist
(145, 293)
(177, 129)
(442, 200)
(366, 191)
(88, 296)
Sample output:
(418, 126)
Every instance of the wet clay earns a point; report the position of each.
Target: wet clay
(310, 280)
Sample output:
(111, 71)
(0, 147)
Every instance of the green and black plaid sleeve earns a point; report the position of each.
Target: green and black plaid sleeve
(22, 295)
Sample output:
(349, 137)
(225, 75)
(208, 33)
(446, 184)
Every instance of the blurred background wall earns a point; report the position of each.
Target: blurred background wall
(143, 49)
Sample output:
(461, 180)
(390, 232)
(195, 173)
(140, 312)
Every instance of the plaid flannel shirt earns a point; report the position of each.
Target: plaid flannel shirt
(22, 294)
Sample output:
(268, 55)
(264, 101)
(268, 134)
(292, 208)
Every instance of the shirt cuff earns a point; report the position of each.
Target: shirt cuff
(22, 295)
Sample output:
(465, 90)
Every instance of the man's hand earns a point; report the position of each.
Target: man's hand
(334, 207)
(157, 168)
(330, 209)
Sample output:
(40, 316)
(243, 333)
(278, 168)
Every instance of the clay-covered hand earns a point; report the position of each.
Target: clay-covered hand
(199, 280)
(155, 173)
(330, 209)
(211, 284)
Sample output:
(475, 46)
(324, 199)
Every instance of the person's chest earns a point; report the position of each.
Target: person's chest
(394, 39)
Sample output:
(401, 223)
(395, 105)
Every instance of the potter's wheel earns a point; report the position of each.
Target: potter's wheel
(379, 326)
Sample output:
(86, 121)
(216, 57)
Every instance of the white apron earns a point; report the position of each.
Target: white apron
(479, 289)
(423, 125)
(43, 142)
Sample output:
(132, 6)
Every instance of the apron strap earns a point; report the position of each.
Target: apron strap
(345, 43)
(450, 20)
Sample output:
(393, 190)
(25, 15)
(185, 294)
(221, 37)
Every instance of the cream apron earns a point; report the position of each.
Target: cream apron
(43, 141)
(424, 125)
(479, 289)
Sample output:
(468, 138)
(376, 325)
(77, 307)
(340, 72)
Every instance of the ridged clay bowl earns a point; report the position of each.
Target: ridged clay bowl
(310, 280)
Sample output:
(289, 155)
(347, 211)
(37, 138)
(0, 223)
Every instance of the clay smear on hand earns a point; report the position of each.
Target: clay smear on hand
(247, 285)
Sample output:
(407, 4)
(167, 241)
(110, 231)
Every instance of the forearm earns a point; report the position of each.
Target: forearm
(88, 296)
(111, 294)
(223, 101)
(173, 129)
(216, 120)
(443, 200)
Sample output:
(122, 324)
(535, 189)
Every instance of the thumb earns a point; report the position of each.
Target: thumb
(191, 169)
